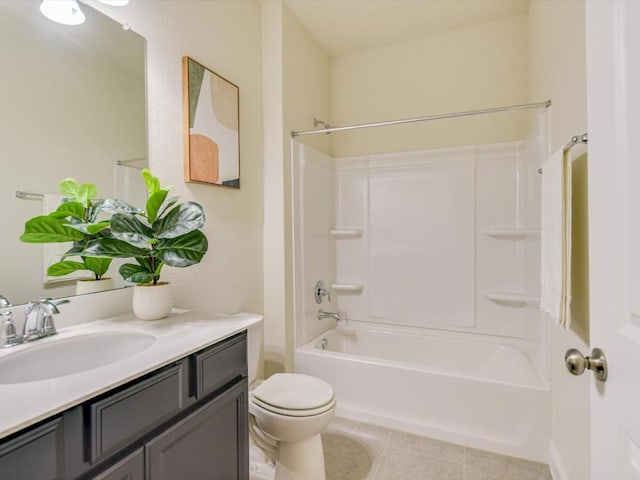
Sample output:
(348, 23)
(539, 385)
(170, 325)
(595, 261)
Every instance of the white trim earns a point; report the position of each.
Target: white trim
(558, 472)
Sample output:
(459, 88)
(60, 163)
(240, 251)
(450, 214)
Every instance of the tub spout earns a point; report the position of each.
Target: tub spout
(335, 315)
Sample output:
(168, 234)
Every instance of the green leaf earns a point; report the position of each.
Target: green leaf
(65, 268)
(182, 251)
(86, 192)
(180, 220)
(113, 205)
(89, 228)
(152, 183)
(94, 228)
(129, 228)
(167, 205)
(69, 209)
(80, 192)
(98, 265)
(46, 229)
(69, 188)
(154, 202)
(135, 273)
(114, 248)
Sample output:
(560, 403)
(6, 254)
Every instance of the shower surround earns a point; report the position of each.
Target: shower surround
(438, 245)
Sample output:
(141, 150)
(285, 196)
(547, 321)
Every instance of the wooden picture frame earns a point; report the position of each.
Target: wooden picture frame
(211, 126)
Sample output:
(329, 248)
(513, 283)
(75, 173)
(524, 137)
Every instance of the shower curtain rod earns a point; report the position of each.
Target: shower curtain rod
(424, 119)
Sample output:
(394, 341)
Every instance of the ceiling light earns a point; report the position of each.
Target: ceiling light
(62, 11)
(115, 3)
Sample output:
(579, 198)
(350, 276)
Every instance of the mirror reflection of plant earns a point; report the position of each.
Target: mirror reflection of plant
(165, 233)
(75, 220)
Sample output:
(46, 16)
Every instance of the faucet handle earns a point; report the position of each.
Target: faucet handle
(53, 304)
(321, 291)
(32, 326)
(50, 308)
(9, 335)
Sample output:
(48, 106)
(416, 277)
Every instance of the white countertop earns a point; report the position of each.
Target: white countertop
(182, 333)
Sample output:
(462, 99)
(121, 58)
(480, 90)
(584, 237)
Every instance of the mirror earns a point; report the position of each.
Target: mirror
(73, 105)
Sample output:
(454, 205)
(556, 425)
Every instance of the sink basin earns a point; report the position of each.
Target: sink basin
(65, 356)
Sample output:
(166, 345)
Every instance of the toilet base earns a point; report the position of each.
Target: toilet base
(301, 460)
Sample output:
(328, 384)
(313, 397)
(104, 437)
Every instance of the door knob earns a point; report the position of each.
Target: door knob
(577, 363)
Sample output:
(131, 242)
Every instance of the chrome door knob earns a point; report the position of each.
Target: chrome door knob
(577, 363)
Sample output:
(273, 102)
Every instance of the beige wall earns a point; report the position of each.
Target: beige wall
(306, 82)
(226, 37)
(296, 85)
(557, 66)
(472, 68)
(306, 96)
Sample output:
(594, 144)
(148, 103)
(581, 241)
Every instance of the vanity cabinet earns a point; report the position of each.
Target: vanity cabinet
(205, 445)
(130, 468)
(36, 454)
(188, 419)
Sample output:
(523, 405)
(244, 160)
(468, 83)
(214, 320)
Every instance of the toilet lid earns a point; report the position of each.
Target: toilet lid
(294, 391)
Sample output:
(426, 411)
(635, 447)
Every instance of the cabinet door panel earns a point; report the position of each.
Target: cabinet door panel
(220, 364)
(210, 444)
(129, 468)
(34, 455)
(121, 418)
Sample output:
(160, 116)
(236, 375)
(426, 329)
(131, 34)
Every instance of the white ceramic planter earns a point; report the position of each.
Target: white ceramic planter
(91, 285)
(152, 302)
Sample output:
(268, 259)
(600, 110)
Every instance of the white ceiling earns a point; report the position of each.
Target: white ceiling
(346, 26)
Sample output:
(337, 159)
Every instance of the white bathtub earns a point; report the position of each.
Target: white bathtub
(478, 393)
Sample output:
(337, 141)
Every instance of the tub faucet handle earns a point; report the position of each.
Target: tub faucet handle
(321, 291)
(335, 315)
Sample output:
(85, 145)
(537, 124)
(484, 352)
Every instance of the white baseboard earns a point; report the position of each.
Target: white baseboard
(558, 472)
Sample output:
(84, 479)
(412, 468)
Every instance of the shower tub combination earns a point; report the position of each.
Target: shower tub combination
(454, 388)
(434, 257)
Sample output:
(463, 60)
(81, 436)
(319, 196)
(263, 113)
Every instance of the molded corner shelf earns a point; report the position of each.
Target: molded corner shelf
(511, 233)
(346, 288)
(346, 233)
(513, 299)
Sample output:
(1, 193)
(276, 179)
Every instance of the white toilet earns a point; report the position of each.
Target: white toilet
(290, 410)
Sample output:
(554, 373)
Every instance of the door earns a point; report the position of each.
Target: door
(613, 97)
(210, 444)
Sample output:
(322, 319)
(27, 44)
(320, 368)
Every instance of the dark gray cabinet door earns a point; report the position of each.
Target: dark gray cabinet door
(34, 455)
(129, 468)
(209, 444)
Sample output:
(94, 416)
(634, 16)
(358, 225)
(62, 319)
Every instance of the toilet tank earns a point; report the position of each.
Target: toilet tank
(255, 346)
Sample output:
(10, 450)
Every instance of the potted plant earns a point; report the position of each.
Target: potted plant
(164, 233)
(76, 220)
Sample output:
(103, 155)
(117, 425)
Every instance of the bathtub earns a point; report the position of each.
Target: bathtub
(476, 392)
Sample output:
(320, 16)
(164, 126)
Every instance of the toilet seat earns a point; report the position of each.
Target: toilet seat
(294, 395)
(294, 413)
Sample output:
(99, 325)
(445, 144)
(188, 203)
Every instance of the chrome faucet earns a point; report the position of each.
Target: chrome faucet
(38, 321)
(4, 302)
(335, 315)
(9, 336)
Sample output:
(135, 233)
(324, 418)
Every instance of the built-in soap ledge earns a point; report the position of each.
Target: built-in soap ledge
(346, 288)
(513, 299)
(346, 232)
(511, 233)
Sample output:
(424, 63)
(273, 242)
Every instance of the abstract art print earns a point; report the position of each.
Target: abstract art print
(211, 127)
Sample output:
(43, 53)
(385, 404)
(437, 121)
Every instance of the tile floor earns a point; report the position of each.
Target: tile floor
(358, 451)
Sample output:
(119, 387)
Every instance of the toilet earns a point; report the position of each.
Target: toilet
(288, 412)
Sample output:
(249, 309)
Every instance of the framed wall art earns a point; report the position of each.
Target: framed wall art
(211, 127)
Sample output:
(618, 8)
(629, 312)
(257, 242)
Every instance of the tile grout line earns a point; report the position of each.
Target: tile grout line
(464, 462)
(376, 464)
